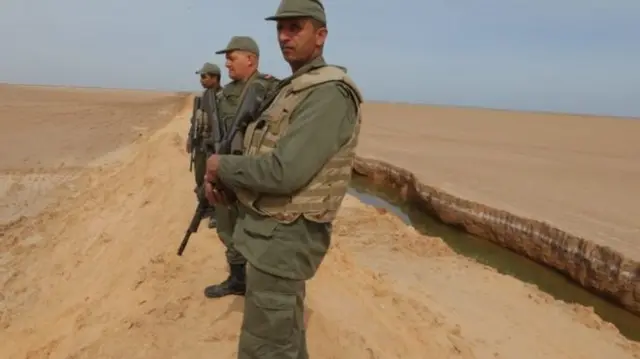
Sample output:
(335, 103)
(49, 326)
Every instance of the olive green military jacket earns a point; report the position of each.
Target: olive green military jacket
(321, 123)
(231, 97)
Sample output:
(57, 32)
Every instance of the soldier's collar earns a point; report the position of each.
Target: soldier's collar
(313, 64)
(250, 78)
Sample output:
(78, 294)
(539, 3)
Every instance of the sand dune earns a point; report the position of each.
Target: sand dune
(95, 275)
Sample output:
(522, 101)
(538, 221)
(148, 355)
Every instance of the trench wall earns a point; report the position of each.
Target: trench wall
(597, 268)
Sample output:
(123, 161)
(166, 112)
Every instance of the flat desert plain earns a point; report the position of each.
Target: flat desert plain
(96, 195)
(578, 173)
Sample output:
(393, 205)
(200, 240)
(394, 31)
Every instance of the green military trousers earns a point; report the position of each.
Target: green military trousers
(273, 321)
(226, 218)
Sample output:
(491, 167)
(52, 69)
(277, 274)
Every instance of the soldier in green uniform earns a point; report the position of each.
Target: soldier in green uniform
(199, 131)
(290, 183)
(242, 60)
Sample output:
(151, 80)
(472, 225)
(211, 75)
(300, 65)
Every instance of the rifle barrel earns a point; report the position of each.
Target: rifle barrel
(184, 243)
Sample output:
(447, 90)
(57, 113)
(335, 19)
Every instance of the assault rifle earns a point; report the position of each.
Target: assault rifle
(225, 144)
(231, 143)
(199, 214)
(208, 104)
(194, 135)
(216, 127)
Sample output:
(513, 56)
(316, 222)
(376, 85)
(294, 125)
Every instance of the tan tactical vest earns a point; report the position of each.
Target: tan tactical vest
(321, 198)
(202, 121)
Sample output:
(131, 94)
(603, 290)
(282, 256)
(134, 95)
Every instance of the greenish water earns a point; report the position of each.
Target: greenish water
(490, 254)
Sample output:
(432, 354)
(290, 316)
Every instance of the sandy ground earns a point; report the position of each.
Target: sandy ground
(579, 173)
(49, 135)
(95, 275)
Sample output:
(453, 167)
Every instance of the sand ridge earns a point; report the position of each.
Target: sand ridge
(95, 275)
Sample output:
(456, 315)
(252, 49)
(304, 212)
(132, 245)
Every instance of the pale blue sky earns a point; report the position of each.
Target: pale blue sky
(563, 55)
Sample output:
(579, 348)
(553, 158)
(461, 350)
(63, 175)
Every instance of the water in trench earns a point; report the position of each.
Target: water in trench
(490, 254)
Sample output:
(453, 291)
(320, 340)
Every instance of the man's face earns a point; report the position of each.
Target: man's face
(208, 81)
(240, 64)
(299, 39)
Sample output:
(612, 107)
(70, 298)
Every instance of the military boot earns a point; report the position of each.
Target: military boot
(233, 285)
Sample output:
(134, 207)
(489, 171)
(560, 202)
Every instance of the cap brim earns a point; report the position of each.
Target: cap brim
(231, 50)
(290, 15)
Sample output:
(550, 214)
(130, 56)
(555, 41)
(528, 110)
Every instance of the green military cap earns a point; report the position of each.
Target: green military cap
(241, 43)
(208, 68)
(300, 8)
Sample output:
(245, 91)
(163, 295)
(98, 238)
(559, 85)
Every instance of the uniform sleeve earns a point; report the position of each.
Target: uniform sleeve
(322, 124)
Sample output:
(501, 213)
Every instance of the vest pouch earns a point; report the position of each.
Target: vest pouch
(321, 198)
(258, 227)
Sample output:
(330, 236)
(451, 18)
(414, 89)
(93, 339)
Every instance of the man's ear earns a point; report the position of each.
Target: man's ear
(253, 59)
(321, 36)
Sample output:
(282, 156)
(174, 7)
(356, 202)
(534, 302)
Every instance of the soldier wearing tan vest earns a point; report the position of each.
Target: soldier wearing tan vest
(199, 130)
(290, 183)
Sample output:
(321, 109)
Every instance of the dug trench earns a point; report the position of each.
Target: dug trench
(565, 266)
(95, 275)
(413, 211)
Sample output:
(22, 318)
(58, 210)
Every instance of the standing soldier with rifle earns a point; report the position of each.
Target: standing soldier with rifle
(201, 124)
(290, 183)
(247, 89)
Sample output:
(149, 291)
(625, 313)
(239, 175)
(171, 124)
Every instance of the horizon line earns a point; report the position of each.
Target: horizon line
(426, 104)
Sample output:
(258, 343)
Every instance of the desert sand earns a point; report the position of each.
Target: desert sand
(579, 173)
(96, 196)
